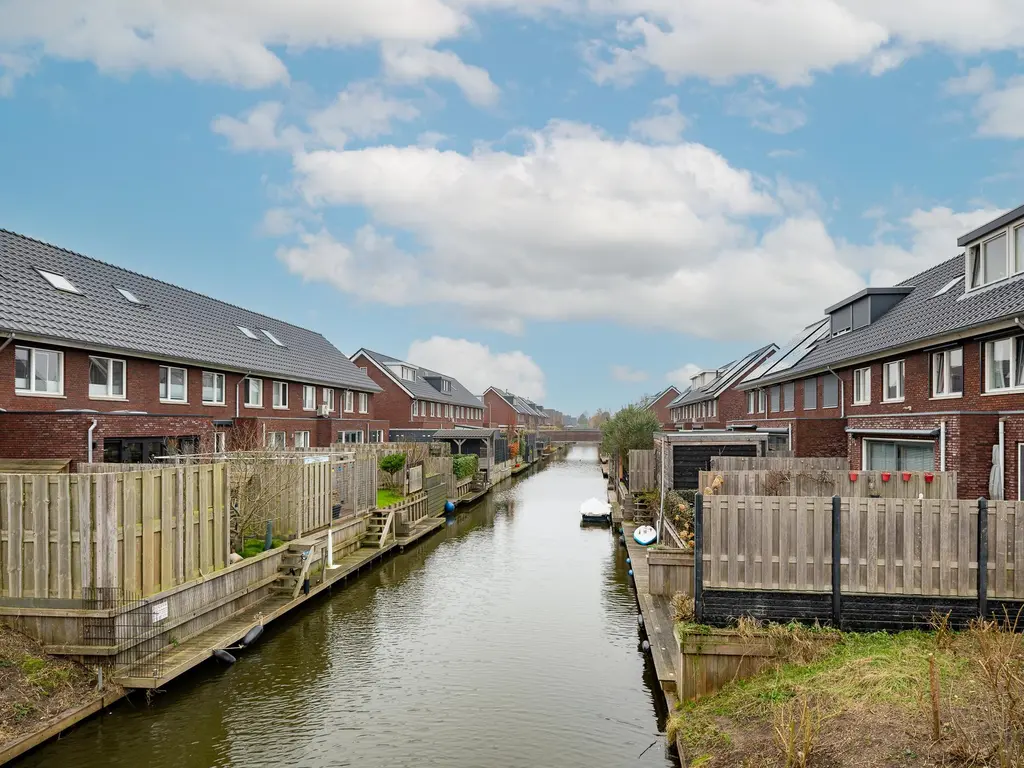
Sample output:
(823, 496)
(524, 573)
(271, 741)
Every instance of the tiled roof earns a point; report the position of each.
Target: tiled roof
(923, 315)
(519, 404)
(650, 400)
(170, 322)
(729, 375)
(422, 389)
(465, 433)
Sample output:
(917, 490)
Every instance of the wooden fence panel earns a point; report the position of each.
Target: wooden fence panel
(908, 485)
(643, 474)
(779, 463)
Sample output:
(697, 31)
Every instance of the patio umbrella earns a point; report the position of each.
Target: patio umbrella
(995, 477)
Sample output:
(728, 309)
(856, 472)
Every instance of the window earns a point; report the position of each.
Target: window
(810, 394)
(776, 391)
(762, 400)
(106, 378)
(714, 407)
(349, 405)
(219, 442)
(213, 388)
(829, 391)
(948, 373)
(1018, 249)
(990, 260)
(129, 295)
(1004, 364)
(254, 393)
(364, 402)
(277, 440)
(899, 455)
(377, 436)
(416, 408)
(173, 384)
(273, 338)
(328, 398)
(892, 375)
(280, 394)
(862, 386)
(446, 386)
(752, 402)
(308, 397)
(247, 331)
(350, 437)
(302, 439)
(59, 282)
(38, 371)
(408, 373)
(789, 396)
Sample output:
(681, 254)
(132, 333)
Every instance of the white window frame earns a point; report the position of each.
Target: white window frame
(379, 433)
(169, 399)
(433, 408)
(863, 375)
(776, 402)
(446, 386)
(864, 447)
(31, 391)
(976, 250)
(792, 401)
(277, 439)
(1014, 341)
(280, 401)
(220, 442)
(349, 401)
(1020, 471)
(248, 391)
(415, 409)
(308, 397)
(364, 402)
(814, 382)
(58, 281)
(301, 442)
(223, 388)
(328, 397)
(947, 380)
(886, 367)
(406, 373)
(110, 381)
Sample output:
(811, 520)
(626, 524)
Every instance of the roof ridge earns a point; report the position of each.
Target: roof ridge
(3, 230)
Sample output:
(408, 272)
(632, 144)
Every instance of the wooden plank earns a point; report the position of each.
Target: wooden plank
(190, 522)
(41, 530)
(927, 515)
(83, 493)
(226, 495)
(150, 552)
(751, 531)
(767, 543)
(871, 520)
(205, 528)
(818, 546)
(945, 550)
(855, 549)
(219, 533)
(129, 543)
(890, 513)
(909, 514)
(805, 511)
(964, 586)
(15, 535)
(785, 541)
(166, 549)
(999, 508)
(62, 505)
(734, 550)
(179, 523)
(108, 520)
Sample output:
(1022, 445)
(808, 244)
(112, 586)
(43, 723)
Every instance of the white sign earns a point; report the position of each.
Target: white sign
(159, 612)
(316, 459)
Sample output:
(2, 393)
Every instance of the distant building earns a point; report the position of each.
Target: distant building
(661, 405)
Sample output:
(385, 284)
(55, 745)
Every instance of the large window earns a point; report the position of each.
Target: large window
(308, 397)
(350, 437)
(213, 388)
(776, 393)
(277, 440)
(829, 391)
(416, 408)
(862, 386)
(38, 371)
(254, 393)
(377, 436)
(892, 382)
(173, 384)
(810, 394)
(789, 396)
(219, 442)
(996, 258)
(302, 439)
(407, 373)
(106, 378)
(899, 455)
(752, 401)
(328, 396)
(349, 405)
(280, 394)
(364, 402)
(1004, 364)
(948, 373)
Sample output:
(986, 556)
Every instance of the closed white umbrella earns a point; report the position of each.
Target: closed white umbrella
(995, 477)
(595, 507)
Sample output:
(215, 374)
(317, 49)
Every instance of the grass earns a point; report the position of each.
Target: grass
(386, 497)
(255, 546)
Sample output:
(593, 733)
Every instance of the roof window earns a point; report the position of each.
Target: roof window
(129, 295)
(948, 286)
(246, 331)
(272, 337)
(59, 282)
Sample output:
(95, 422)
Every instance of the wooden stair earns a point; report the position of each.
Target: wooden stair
(379, 528)
(294, 568)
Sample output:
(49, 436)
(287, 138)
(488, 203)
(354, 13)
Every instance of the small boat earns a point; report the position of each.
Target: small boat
(645, 535)
(595, 512)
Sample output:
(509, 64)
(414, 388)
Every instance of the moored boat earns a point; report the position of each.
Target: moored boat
(645, 535)
(595, 512)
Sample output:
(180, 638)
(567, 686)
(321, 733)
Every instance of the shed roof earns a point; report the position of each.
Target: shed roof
(466, 433)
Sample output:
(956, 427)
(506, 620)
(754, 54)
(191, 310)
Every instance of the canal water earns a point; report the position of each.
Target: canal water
(508, 639)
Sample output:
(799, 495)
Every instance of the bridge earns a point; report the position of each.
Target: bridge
(572, 435)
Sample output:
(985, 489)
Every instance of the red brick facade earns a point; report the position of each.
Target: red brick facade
(661, 408)
(394, 404)
(55, 426)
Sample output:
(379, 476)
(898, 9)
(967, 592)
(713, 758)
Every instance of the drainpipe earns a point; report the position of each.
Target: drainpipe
(942, 445)
(790, 439)
(93, 426)
(1002, 456)
(842, 393)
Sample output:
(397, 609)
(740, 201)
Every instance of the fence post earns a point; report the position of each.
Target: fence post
(698, 557)
(837, 550)
(982, 557)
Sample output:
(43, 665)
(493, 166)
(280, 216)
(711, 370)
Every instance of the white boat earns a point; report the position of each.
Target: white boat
(645, 535)
(596, 511)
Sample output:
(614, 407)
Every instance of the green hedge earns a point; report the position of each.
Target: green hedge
(464, 466)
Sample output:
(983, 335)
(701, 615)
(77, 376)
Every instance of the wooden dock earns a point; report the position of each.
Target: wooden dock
(657, 613)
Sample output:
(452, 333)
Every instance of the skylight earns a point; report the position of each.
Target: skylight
(59, 282)
(129, 295)
(948, 286)
(272, 337)
(246, 331)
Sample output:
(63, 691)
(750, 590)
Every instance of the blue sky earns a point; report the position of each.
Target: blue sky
(581, 200)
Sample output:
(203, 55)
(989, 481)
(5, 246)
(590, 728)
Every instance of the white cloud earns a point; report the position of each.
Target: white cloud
(417, 63)
(977, 80)
(778, 154)
(627, 374)
(767, 115)
(665, 124)
(478, 368)
(258, 129)
(1001, 112)
(13, 66)
(681, 375)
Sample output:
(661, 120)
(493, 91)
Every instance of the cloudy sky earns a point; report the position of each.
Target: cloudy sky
(580, 200)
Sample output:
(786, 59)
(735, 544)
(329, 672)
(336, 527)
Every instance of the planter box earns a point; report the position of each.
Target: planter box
(670, 571)
(708, 660)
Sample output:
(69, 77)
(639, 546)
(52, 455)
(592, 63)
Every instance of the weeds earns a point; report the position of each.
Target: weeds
(796, 727)
(682, 607)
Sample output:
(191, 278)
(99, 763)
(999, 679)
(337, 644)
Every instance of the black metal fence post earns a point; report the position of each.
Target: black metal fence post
(837, 550)
(982, 558)
(698, 557)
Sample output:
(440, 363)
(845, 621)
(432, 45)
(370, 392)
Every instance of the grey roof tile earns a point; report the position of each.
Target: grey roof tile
(421, 388)
(730, 373)
(170, 322)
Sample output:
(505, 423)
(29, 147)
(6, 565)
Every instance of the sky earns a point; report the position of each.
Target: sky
(582, 201)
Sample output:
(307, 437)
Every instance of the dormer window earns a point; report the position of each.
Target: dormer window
(994, 251)
(408, 373)
(988, 261)
(446, 386)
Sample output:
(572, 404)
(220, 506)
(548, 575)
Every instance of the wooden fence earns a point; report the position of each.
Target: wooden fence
(144, 531)
(888, 546)
(643, 471)
(821, 482)
(780, 463)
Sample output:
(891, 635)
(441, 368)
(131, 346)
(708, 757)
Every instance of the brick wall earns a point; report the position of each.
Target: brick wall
(497, 411)
(661, 409)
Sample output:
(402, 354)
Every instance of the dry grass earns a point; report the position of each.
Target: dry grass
(34, 687)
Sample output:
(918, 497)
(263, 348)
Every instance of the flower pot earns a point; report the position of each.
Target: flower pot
(886, 477)
(928, 477)
(906, 477)
(853, 477)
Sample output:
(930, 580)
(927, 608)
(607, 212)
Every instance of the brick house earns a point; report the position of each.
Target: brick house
(712, 398)
(661, 405)
(504, 409)
(417, 400)
(97, 361)
(924, 375)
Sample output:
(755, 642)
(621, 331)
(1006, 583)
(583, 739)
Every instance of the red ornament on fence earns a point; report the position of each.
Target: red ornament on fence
(853, 477)
(906, 477)
(886, 477)
(928, 477)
